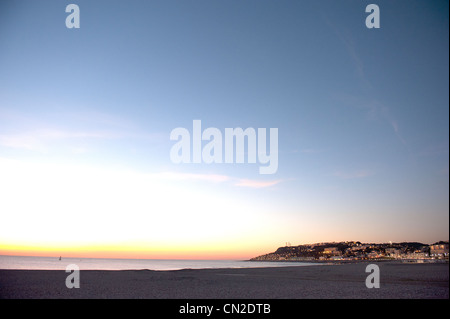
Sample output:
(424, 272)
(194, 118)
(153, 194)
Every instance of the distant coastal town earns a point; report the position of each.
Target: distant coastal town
(355, 250)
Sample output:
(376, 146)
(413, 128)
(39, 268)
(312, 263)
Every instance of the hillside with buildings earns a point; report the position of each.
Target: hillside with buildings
(355, 250)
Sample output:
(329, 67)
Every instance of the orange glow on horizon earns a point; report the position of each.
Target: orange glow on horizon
(99, 212)
(122, 252)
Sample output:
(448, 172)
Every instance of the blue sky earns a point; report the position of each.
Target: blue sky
(362, 116)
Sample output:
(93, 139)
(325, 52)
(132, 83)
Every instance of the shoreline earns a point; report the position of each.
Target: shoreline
(45, 263)
(342, 281)
(288, 263)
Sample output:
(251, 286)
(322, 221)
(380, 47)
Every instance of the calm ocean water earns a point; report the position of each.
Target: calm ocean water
(23, 262)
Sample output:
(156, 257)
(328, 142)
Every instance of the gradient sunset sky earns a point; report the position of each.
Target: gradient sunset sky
(86, 115)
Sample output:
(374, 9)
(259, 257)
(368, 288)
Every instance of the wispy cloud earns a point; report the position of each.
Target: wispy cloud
(79, 150)
(21, 141)
(311, 151)
(256, 183)
(349, 44)
(374, 110)
(37, 132)
(373, 106)
(38, 140)
(196, 177)
(216, 178)
(353, 174)
(386, 113)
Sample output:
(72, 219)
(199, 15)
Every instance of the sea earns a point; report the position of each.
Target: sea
(54, 263)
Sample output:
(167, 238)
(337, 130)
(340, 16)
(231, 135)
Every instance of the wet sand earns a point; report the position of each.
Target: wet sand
(397, 280)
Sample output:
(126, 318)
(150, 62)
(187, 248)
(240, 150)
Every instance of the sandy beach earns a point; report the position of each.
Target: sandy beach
(398, 280)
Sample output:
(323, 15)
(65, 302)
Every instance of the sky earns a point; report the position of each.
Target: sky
(86, 116)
